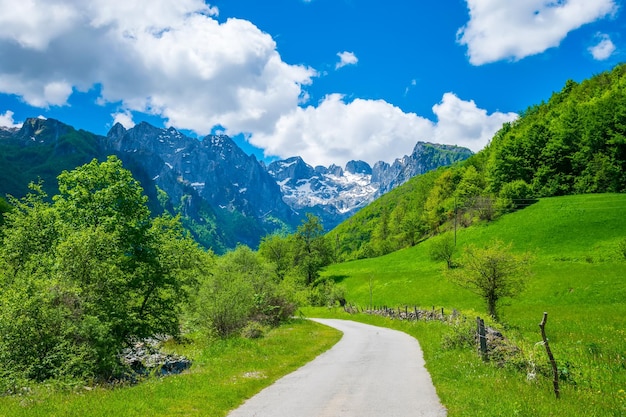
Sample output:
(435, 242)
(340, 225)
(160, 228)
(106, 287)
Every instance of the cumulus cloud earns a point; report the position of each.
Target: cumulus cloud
(346, 58)
(337, 131)
(6, 120)
(176, 60)
(125, 118)
(603, 49)
(168, 58)
(462, 123)
(504, 29)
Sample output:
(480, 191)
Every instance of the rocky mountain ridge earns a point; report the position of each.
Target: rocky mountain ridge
(334, 194)
(224, 196)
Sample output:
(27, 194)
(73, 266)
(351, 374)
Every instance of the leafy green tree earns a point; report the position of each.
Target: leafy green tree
(443, 248)
(84, 275)
(278, 250)
(492, 272)
(312, 250)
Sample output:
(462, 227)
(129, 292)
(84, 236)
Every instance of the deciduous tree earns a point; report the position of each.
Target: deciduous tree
(492, 272)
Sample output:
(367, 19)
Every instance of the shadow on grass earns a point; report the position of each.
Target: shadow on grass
(336, 278)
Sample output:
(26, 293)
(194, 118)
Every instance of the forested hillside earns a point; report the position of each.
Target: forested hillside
(574, 143)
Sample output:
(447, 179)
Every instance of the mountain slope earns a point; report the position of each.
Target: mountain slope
(575, 143)
(42, 149)
(224, 196)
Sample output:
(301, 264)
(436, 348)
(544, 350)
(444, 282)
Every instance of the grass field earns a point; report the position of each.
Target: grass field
(223, 375)
(579, 278)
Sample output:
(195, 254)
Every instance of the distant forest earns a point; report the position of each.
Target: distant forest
(573, 144)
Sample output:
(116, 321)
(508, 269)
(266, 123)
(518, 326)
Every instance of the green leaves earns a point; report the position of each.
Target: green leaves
(84, 275)
(492, 272)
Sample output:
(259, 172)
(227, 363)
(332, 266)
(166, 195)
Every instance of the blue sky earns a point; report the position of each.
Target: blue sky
(329, 80)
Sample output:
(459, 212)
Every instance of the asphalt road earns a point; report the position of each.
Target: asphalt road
(370, 372)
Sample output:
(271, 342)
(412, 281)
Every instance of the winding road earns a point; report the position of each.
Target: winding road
(371, 372)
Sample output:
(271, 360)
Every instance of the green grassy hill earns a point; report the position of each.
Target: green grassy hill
(574, 143)
(579, 278)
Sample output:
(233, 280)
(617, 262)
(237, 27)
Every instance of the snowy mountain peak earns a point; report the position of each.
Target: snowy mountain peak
(334, 193)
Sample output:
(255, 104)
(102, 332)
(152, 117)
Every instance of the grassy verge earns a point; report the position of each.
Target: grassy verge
(467, 386)
(223, 375)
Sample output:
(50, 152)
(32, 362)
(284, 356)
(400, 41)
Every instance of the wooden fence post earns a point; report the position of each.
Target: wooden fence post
(482, 337)
(555, 370)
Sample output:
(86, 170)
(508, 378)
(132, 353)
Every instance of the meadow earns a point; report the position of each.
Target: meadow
(224, 373)
(578, 278)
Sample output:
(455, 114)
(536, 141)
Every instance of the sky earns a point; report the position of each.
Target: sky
(328, 80)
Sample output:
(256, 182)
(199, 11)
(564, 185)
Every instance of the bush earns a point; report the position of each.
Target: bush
(80, 277)
(327, 293)
(241, 288)
(253, 330)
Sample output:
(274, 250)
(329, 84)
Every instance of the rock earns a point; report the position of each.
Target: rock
(144, 357)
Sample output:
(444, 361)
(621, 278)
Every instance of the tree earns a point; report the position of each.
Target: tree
(83, 276)
(312, 250)
(443, 248)
(492, 272)
(277, 250)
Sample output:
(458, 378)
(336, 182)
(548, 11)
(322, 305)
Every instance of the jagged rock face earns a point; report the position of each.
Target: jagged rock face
(213, 169)
(213, 177)
(330, 193)
(334, 194)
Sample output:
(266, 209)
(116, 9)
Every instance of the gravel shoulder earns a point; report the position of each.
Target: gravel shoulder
(371, 372)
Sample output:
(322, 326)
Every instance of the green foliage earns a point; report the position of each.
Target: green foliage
(278, 250)
(241, 288)
(443, 248)
(4, 208)
(575, 143)
(312, 250)
(327, 293)
(85, 274)
(492, 272)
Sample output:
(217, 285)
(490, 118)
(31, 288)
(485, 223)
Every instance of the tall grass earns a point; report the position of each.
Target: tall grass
(223, 375)
(578, 278)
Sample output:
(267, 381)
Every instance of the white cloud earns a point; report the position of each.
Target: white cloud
(505, 29)
(463, 123)
(174, 59)
(346, 58)
(372, 130)
(6, 120)
(603, 49)
(168, 58)
(34, 23)
(125, 118)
